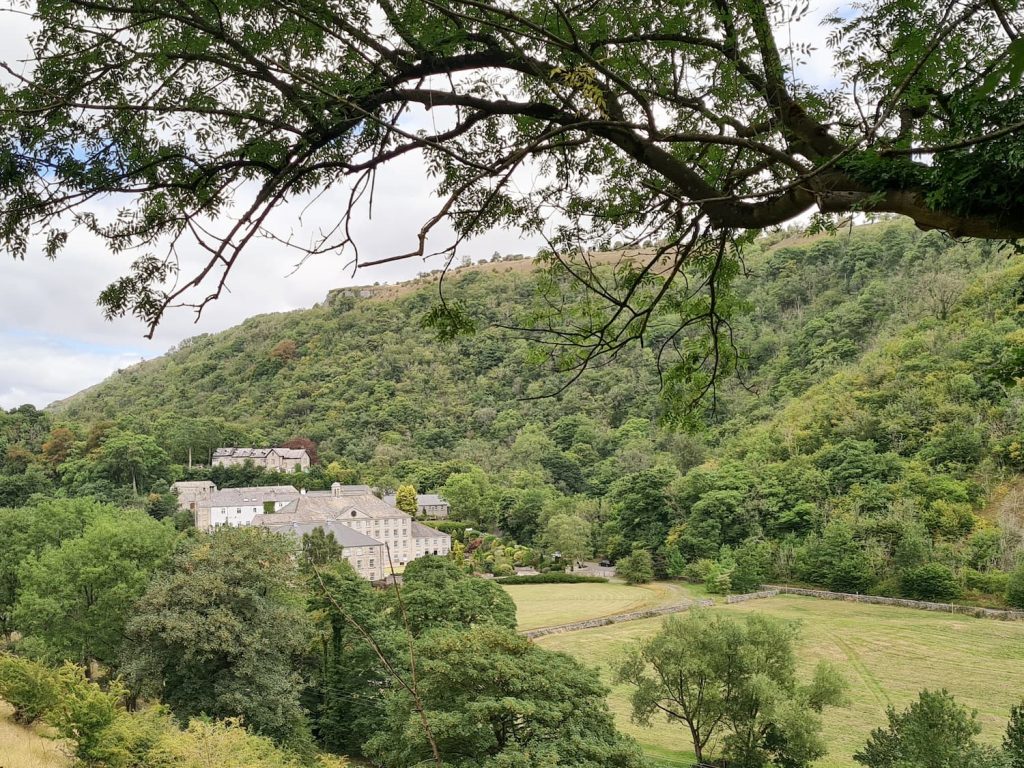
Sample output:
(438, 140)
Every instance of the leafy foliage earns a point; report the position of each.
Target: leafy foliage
(222, 633)
(732, 683)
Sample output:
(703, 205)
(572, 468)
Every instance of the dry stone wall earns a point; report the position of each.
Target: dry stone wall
(751, 596)
(615, 619)
(921, 605)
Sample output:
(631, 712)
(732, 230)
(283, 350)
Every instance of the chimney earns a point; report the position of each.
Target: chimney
(335, 489)
(302, 492)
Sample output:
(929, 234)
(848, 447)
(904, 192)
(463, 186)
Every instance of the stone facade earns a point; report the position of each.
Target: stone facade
(355, 507)
(277, 459)
(193, 493)
(238, 506)
(427, 505)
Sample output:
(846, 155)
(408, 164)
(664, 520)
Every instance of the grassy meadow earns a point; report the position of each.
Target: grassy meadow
(886, 654)
(545, 605)
(22, 747)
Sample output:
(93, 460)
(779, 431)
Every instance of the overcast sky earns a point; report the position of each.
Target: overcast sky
(54, 340)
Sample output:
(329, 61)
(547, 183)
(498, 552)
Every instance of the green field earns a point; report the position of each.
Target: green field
(545, 605)
(886, 654)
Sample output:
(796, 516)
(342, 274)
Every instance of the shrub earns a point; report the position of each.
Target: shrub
(1015, 587)
(719, 578)
(638, 568)
(504, 569)
(27, 686)
(552, 578)
(697, 571)
(991, 582)
(932, 581)
(453, 528)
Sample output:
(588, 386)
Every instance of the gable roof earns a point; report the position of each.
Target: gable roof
(259, 453)
(329, 507)
(421, 531)
(344, 535)
(227, 497)
(422, 500)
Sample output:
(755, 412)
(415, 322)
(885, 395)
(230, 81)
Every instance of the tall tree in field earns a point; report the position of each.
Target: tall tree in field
(75, 599)
(405, 499)
(686, 124)
(222, 633)
(569, 535)
(732, 683)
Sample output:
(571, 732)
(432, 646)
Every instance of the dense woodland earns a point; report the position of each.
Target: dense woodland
(869, 440)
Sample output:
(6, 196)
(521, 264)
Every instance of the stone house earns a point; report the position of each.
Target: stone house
(278, 459)
(192, 493)
(366, 555)
(355, 507)
(427, 505)
(428, 541)
(238, 506)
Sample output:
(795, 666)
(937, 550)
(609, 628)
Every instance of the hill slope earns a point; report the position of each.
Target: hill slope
(878, 410)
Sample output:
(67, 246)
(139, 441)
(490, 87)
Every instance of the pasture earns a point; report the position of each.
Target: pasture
(886, 654)
(545, 605)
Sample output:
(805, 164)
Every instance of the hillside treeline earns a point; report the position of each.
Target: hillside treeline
(875, 415)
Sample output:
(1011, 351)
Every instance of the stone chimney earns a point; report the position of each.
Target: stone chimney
(335, 489)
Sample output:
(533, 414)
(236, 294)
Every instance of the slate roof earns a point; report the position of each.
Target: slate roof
(344, 535)
(227, 497)
(421, 531)
(258, 453)
(422, 500)
(329, 507)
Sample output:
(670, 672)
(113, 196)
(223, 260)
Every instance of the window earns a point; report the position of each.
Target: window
(371, 562)
(353, 513)
(359, 563)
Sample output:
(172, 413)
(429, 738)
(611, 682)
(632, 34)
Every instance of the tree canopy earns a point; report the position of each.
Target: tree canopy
(683, 124)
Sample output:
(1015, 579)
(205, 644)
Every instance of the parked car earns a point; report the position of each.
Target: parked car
(606, 563)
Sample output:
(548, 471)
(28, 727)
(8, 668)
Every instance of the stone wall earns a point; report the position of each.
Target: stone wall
(921, 605)
(615, 619)
(751, 596)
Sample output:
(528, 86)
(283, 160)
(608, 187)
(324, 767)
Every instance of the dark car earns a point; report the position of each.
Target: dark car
(606, 563)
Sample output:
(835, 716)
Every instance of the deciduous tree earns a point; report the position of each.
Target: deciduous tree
(732, 682)
(496, 700)
(686, 125)
(222, 633)
(76, 598)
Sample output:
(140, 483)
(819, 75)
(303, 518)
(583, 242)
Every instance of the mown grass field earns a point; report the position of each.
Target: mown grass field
(545, 605)
(886, 654)
(22, 747)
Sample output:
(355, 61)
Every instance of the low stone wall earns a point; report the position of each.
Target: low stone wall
(751, 596)
(615, 619)
(921, 605)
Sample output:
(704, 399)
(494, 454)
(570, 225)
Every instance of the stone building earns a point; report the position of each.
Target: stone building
(427, 505)
(193, 493)
(238, 506)
(370, 531)
(365, 554)
(279, 459)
